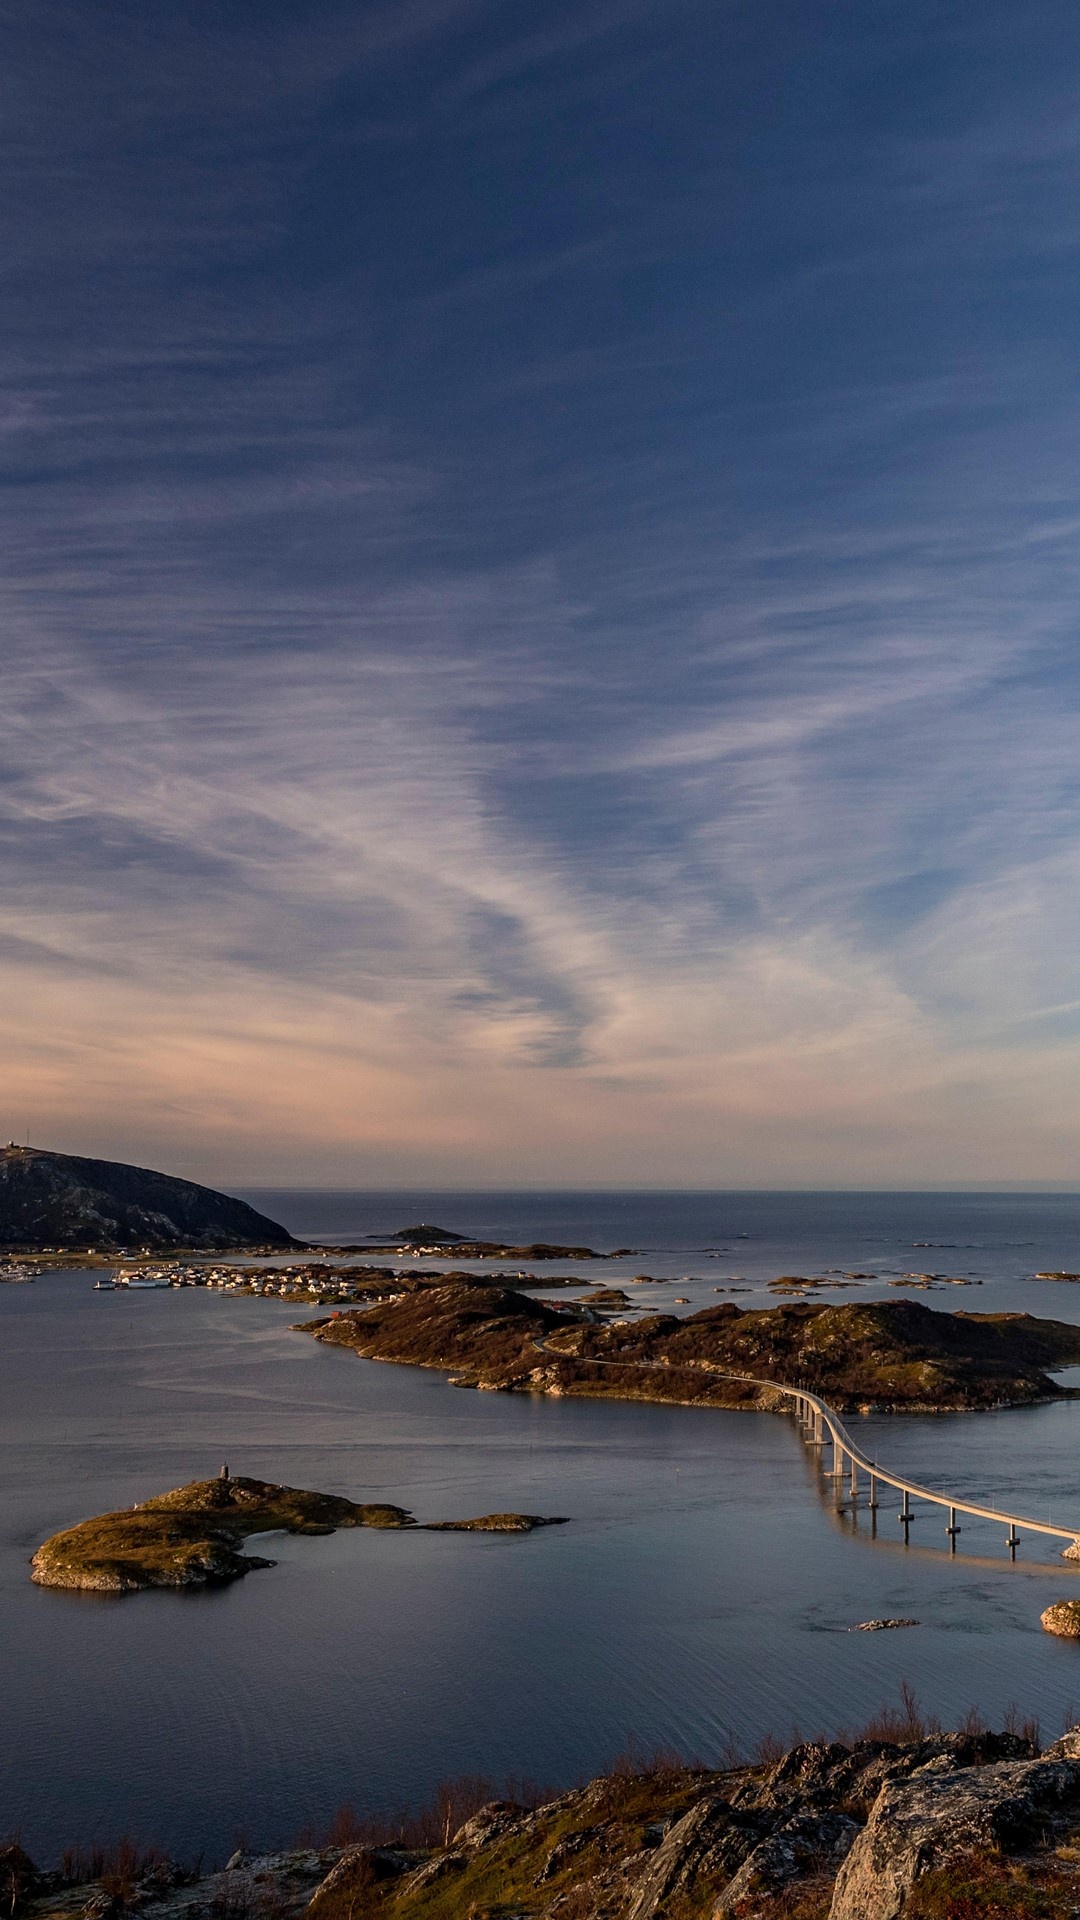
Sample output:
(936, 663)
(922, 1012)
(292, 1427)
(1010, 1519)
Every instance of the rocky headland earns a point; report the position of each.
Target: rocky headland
(884, 1354)
(60, 1201)
(905, 1823)
(193, 1535)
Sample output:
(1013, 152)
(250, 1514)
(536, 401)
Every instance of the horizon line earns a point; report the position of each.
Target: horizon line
(987, 1186)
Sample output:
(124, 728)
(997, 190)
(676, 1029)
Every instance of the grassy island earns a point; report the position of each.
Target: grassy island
(497, 1523)
(192, 1536)
(890, 1354)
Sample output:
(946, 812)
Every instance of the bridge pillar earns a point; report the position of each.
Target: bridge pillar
(905, 1516)
(952, 1529)
(1012, 1540)
(854, 1479)
(873, 1501)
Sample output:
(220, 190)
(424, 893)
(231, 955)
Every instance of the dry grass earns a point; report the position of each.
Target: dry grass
(981, 1887)
(192, 1534)
(119, 1866)
(433, 1824)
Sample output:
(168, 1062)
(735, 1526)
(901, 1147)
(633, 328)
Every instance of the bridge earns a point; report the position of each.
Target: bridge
(822, 1428)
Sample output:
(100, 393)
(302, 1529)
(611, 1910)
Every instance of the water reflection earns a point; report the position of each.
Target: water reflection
(705, 1587)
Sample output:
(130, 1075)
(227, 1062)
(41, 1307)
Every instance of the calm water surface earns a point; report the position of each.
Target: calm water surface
(704, 1587)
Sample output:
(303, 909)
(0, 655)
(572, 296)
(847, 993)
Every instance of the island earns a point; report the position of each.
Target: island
(426, 1240)
(192, 1536)
(497, 1523)
(60, 1202)
(886, 1354)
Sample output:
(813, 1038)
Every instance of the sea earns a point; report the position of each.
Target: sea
(702, 1596)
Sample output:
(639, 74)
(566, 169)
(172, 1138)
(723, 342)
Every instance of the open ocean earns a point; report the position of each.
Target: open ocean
(703, 1590)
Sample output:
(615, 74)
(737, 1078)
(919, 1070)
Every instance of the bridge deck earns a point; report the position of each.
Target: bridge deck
(845, 1446)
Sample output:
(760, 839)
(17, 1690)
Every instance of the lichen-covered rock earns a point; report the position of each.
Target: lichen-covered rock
(709, 1842)
(490, 1822)
(823, 1774)
(354, 1872)
(1067, 1748)
(807, 1843)
(924, 1822)
(1062, 1618)
(439, 1868)
(566, 1850)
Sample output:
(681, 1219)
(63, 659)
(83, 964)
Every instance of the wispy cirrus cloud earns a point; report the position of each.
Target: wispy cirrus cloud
(534, 661)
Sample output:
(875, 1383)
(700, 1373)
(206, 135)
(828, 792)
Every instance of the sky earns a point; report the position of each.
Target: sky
(540, 588)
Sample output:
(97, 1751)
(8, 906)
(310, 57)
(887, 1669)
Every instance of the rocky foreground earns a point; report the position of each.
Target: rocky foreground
(883, 1354)
(938, 1827)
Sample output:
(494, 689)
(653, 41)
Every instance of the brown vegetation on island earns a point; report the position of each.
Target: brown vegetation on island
(888, 1353)
(193, 1535)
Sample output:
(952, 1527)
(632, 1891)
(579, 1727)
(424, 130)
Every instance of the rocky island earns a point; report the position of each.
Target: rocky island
(427, 1240)
(63, 1202)
(193, 1535)
(885, 1354)
(899, 1822)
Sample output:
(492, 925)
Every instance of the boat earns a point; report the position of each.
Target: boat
(145, 1285)
(104, 1286)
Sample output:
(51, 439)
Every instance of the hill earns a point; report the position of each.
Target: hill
(62, 1200)
(888, 1353)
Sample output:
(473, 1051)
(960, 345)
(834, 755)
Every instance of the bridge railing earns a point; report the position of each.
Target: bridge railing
(844, 1447)
(817, 1413)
